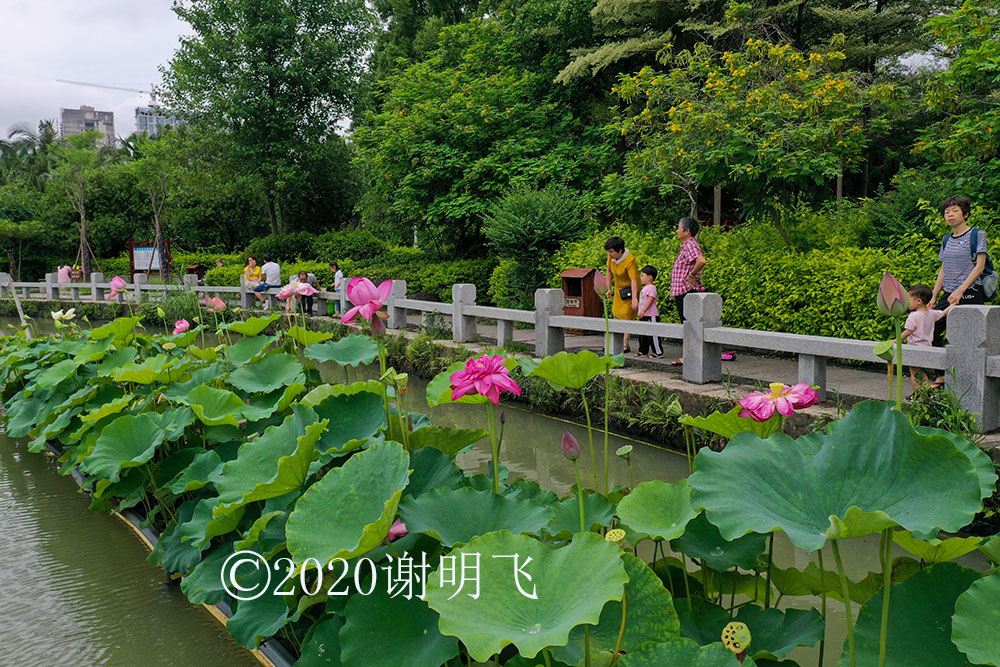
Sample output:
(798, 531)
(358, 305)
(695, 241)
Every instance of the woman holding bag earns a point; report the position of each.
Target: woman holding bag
(623, 272)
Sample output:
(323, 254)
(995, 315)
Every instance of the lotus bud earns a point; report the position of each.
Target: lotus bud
(892, 298)
(162, 313)
(503, 418)
(570, 447)
(600, 282)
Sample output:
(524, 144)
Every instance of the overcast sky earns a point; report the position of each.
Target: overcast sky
(109, 42)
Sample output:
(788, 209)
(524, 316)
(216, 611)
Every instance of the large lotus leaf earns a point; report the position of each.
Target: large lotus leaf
(116, 360)
(529, 490)
(204, 353)
(128, 441)
(597, 513)
(121, 329)
(272, 372)
(21, 415)
(384, 630)
(181, 339)
(321, 647)
(203, 526)
(92, 352)
(172, 466)
(349, 511)
(112, 407)
(170, 551)
(56, 373)
(445, 438)
(439, 388)
(701, 621)
(322, 392)
(204, 584)
(980, 459)
(214, 406)
(131, 481)
(145, 372)
(976, 620)
(173, 422)
(352, 417)
(431, 469)
(179, 390)
(307, 337)
(572, 370)
(728, 424)
(920, 611)
(935, 550)
(991, 548)
(685, 652)
(811, 581)
(503, 613)
(263, 406)
(352, 350)
(268, 466)
(265, 615)
(657, 510)
(455, 516)
(702, 540)
(256, 528)
(649, 617)
(870, 471)
(252, 325)
(196, 474)
(246, 350)
(776, 633)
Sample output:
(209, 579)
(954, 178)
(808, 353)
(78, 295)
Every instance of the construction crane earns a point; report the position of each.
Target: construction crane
(152, 95)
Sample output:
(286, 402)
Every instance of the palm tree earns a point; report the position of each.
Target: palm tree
(32, 151)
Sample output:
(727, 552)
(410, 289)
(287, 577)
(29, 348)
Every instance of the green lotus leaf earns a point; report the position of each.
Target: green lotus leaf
(250, 349)
(204, 375)
(455, 516)
(307, 337)
(252, 325)
(324, 391)
(215, 406)
(263, 406)
(728, 424)
(682, 651)
(702, 540)
(352, 417)
(431, 469)
(21, 415)
(172, 466)
(980, 459)
(56, 373)
(657, 510)
(204, 584)
(203, 525)
(256, 528)
(445, 438)
(205, 354)
(869, 471)
(384, 630)
(810, 581)
(701, 621)
(991, 548)
(131, 481)
(597, 513)
(121, 329)
(572, 370)
(172, 553)
(504, 614)
(272, 372)
(197, 474)
(271, 465)
(264, 616)
(116, 360)
(976, 619)
(349, 511)
(529, 490)
(181, 339)
(935, 550)
(128, 441)
(776, 633)
(110, 408)
(920, 611)
(353, 350)
(173, 422)
(321, 647)
(92, 352)
(649, 617)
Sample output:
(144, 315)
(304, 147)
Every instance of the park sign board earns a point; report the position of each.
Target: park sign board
(145, 257)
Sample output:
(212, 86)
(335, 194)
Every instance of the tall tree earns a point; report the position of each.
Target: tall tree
(77, 161)
(272, 74)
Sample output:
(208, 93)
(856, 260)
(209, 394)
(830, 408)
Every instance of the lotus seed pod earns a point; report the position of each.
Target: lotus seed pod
(736, 636)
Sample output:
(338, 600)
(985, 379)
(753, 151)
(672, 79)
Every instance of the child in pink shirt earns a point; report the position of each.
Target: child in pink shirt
(648, 312)
(919, 326)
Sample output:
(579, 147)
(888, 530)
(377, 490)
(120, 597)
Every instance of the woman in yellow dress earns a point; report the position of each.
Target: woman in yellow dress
(623, 272)
(251, 273)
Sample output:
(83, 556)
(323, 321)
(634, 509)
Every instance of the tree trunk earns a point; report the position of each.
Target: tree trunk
(161, 250)
(717, 206)
(864, 176)
(776, 217)
(840, 183)
(272, 212)
(84, 244)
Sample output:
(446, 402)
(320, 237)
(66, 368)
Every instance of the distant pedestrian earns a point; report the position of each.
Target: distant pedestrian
(62, 273)
(338, 284)
(218, 262)
(919, 326)
(272, 278)
(685, 276)
(252, 275)
(623, 274)
(648, 312)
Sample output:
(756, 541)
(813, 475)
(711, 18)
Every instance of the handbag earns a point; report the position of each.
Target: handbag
(625, 293)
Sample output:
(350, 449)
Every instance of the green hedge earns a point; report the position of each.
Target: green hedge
(432, 279)
(119, 266)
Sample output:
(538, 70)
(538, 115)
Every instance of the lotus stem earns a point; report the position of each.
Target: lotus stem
(688, 446)
(381, 370)
(885, 554)
(494, 451)
(579, 496)
(631, 482)
(607, 393)
(590, 435)
(545, 655)
(845, 591)
(403, 417)
(899, 365)
(822, 585)
(586, 645)
(684, 574)
(770, 557)
(621, 632)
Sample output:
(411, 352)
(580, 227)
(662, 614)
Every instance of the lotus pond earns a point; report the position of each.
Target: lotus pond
(342, 489)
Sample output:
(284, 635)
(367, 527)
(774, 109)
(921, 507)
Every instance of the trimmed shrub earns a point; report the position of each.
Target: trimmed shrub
(283, 247)
(358, 245)
(230, 275)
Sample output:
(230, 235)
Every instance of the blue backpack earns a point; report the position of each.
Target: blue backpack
(989, 276)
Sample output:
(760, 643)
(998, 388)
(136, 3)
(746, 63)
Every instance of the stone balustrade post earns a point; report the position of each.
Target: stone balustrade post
(505, 332)
(812, 371)
(548, 340)
(397, 314)
(138, 280)
(51, 286)
(247, 299)
(6, 284)
(974, 335)
(702, 364)
(463, 327)
(97, 278)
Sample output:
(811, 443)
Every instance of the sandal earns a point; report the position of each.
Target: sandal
(656, 356)
(937, 384)
(728, 356)
(676, 362)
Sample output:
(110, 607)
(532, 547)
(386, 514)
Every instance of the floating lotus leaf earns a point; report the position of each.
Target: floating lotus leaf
(685, 652)
(529, 490)
(349, 511)
(271, 465)
(121, 329)
(353, 350)
(657, 510)
(249, 349)
(777, 632)
(980, 459)
(272, 372)
(455, 516)
(204, 584)
(935, 550)
(572, 370)
(214, 406)
(702, 540)
(203, 526)
(321, 647)
(976, 620)
(728, 424)
(128, 441)
(445, 438)
(920, 611)
(384, 630)
(597, 513)
(870, 471)
(196, 475)
(431, 469)
(503, 615)
(252, 325)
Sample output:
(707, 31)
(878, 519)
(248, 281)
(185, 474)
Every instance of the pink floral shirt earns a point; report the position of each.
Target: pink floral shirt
(689, 253)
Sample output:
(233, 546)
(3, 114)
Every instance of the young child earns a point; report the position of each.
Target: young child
(919, 326)
(648, 312)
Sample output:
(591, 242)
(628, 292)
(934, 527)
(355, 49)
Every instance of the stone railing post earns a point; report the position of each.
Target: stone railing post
(548, 340)
(190, 280)
(247, 298)
(51, 286)
(973, 335)
(812, 371)
(98, 292)
(702, 310)
(139, 279)
(463, 327)
(6, 283)
(505, 332)
(397, 315)
(615, 343)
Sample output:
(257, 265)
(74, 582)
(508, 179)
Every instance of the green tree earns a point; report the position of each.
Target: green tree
(27, 155)
(274, 75)
(153, 170)
(12, 238)
(77, 162)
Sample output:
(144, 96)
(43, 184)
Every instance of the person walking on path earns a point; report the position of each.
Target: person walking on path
(959, 278)
(648, 312)
(623, 272)
(685, 275)
(272, 278)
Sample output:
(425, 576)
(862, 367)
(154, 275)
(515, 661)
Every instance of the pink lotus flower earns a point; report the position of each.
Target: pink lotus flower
(570, 447)
(117, 285)
(892, 299)
(305, 289)
(367, 299)
(397, 531)
(287, 291)
(600, 283)
(485, 375)
(782, 399)
(215, 304)
(180, 326)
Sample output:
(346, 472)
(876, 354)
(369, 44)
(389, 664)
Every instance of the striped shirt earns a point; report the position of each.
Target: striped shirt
(956, 259)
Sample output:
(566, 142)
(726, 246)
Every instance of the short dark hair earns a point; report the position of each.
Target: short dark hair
(690, 225)
(266, 258)
(922, 292)
(615, 243)
(962, 202)
(649, 270)
(333, 265)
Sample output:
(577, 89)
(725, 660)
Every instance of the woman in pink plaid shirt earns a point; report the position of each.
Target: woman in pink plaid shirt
(685, 275)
